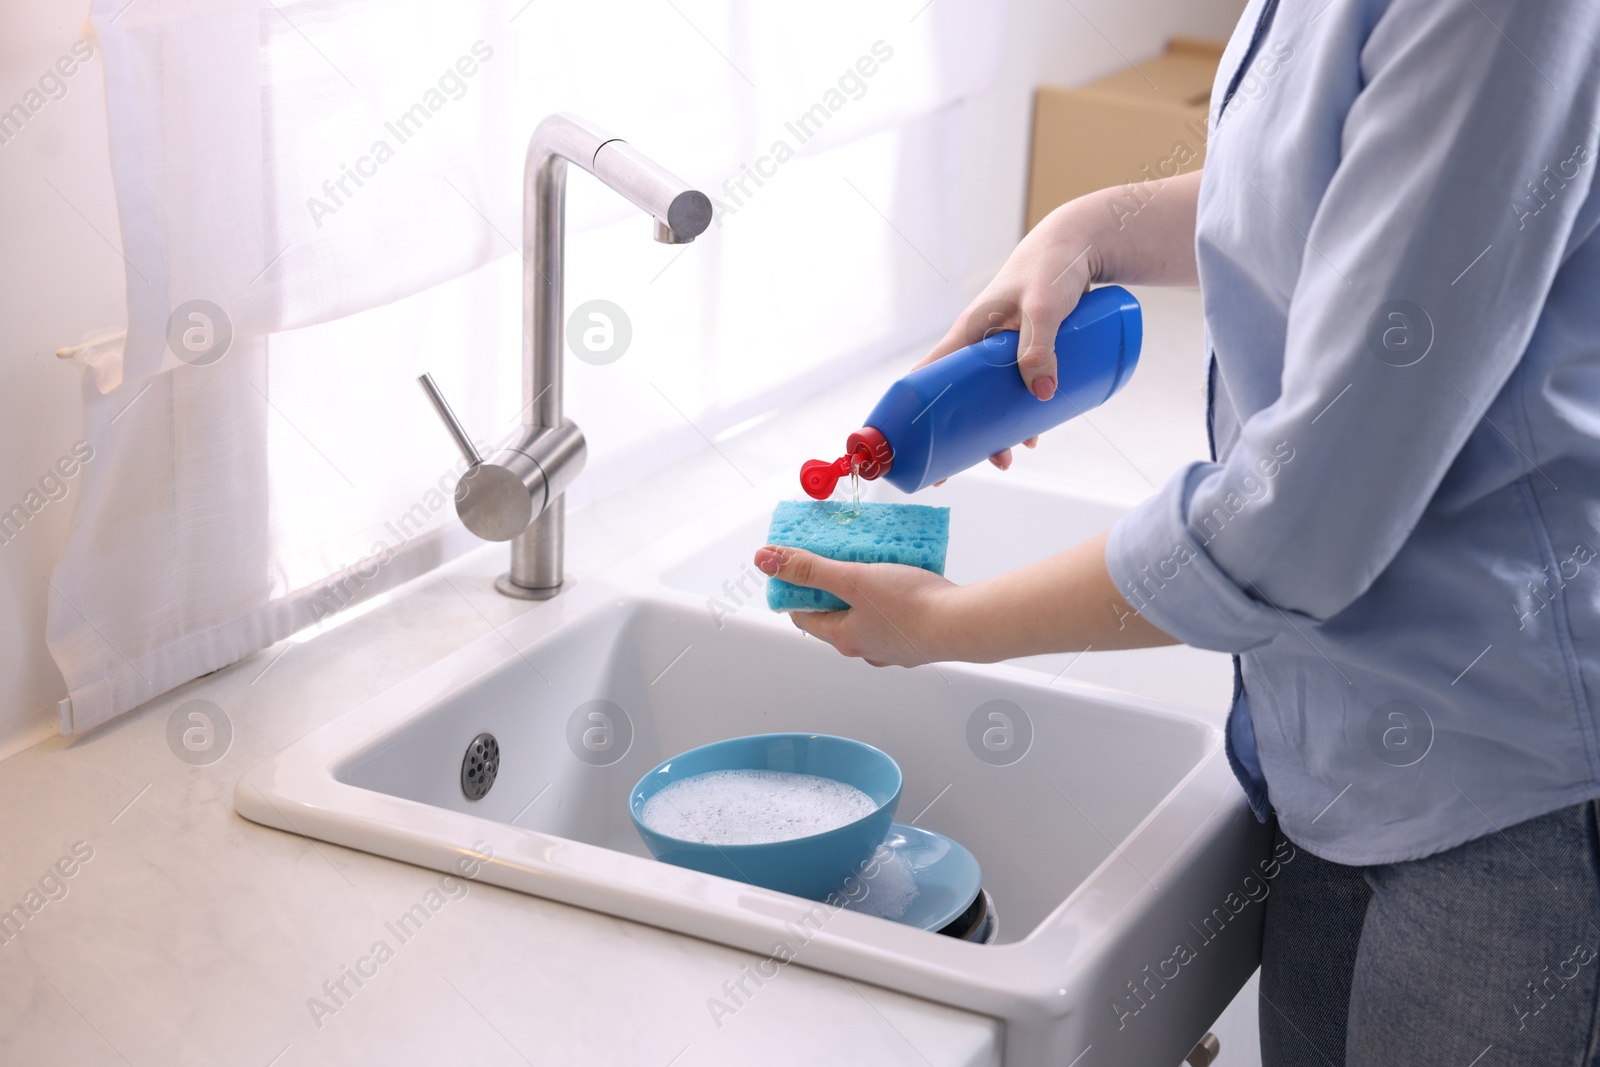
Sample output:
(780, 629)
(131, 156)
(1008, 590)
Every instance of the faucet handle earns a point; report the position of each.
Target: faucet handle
(493, 500)
(469, 451)
(498, 498)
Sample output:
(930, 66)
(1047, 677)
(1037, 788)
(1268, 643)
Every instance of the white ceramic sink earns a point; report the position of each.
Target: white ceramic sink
(1115, 836)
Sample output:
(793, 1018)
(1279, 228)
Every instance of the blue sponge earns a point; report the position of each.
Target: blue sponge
(913, 534)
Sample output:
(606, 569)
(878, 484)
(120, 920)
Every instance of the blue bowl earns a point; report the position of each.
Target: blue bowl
(812, 866)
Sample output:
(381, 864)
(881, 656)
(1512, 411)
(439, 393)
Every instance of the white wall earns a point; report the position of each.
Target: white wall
(1056, 42)
(62, 276)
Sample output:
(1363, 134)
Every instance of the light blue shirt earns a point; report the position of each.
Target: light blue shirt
(1400, 535)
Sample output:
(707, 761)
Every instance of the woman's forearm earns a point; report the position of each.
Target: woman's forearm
(1067, 603)
(906, 615)
(1139, 234)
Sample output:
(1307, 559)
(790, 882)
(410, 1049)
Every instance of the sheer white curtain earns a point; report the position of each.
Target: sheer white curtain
(333, 188)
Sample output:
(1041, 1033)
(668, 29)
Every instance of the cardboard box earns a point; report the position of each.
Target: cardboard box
(1142, 123)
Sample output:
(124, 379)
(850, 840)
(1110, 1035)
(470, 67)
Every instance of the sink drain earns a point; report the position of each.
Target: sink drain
(479, 766)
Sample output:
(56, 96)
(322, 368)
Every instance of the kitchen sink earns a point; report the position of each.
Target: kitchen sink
(1107, 824)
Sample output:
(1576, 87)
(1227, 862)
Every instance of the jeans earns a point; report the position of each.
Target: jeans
(1485, 955)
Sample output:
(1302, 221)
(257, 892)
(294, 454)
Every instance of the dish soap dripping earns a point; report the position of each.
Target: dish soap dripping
(844, 517)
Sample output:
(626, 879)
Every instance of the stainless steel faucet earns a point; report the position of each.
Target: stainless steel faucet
(516, 496)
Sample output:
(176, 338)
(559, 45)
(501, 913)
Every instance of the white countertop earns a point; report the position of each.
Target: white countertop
(191, 936)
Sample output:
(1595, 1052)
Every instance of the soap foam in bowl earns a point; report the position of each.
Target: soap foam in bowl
(766, 799)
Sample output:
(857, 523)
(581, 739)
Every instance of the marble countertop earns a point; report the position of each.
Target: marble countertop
(159, 927)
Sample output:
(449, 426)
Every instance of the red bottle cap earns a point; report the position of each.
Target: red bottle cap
(866, 451)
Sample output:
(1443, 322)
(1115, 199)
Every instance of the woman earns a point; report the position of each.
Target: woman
(1396, 536)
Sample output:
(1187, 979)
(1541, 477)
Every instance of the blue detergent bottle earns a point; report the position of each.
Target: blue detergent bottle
(960, 410)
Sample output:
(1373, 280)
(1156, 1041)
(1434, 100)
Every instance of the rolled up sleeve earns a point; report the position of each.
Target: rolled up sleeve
(1472, 133)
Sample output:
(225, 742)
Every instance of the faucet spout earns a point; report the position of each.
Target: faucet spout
(677, 209)
(679, 213)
